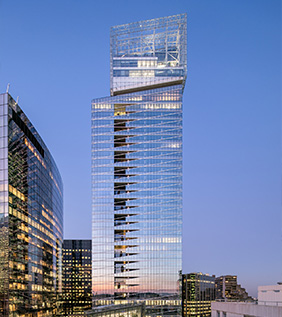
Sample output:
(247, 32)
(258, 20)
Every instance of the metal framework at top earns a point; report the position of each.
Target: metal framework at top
(163, 40)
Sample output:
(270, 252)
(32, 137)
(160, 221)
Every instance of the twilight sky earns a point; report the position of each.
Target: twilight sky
(55, 54)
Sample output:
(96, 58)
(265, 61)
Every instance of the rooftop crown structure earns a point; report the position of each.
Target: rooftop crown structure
(148, 54)
(137, 168)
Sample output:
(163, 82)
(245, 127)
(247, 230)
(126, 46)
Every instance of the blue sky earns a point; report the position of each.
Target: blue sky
(55, 55)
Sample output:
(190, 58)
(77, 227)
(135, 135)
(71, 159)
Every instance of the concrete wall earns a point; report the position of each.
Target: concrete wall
(270, 295)
(243, 309)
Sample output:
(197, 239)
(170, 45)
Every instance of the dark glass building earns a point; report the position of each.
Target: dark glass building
(77, 277)
(137, 168)
(198, 290)
(31, 218)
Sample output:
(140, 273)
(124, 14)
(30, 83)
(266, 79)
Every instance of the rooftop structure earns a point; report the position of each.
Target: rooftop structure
(270, 295)
(269, 304)
(148, 54)
(244, 309)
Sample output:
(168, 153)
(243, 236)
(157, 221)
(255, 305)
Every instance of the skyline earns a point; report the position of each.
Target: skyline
(236, 169)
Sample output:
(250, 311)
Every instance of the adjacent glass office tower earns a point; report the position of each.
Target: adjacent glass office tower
(198, 291)
(137, 168)
(31, 218)
(77, 277)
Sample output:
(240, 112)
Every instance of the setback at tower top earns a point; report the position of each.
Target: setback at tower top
(148, 54)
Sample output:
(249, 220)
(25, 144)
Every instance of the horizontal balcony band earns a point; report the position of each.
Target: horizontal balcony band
(125, 261)
(116, 224)
(161, 117)
(119, 192)
(128, 285)
(123, 168)
(125, 207)
(121, 120)
(121, 278)
(137, 133)
(124, 231)
(121, 152)
(121, 247)
(123, 271)
(120, 144)
(126, 175)
(149, 87)
(119, 183)
(118, 160)
(121, 255)
(123, 136)
(119, 216)
(120, 200)
(122, 238)
(117, 129)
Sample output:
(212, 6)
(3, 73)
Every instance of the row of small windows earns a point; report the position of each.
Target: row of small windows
(148, 73)
(164, 50)
(150, 106)
(76, 250)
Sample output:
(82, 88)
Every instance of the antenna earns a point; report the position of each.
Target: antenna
(17, 102)
(8, 86)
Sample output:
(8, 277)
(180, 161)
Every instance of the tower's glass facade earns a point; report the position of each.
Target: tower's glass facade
(137, 168)
(31, 218)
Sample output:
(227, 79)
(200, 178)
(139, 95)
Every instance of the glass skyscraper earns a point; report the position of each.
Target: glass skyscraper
(31, 218)
(137, 168)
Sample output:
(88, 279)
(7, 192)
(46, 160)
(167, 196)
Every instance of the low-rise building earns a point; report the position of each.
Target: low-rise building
(244, 309)
(270, 295)
(226, 287)
(269, 304)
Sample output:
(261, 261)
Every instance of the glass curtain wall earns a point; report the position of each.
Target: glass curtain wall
(31, 218)
(77, 277)
(198, 291)
(137, 168)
